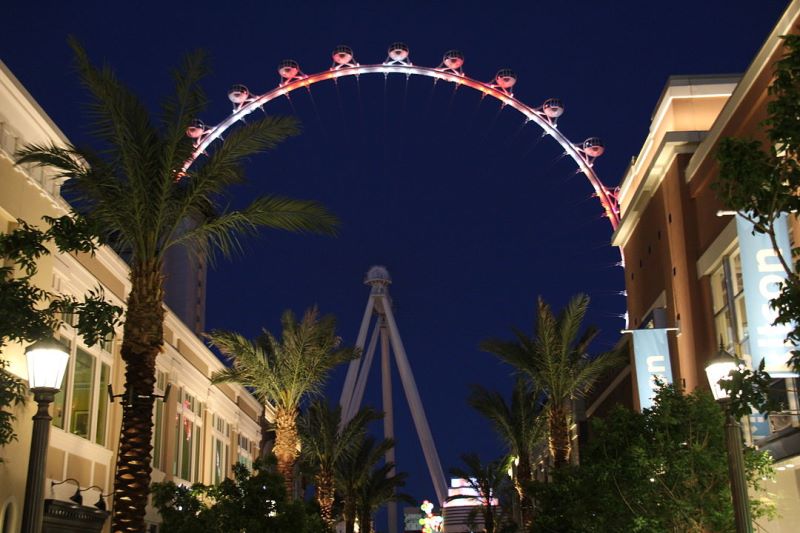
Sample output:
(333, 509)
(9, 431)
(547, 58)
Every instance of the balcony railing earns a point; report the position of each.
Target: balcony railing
(10, 142)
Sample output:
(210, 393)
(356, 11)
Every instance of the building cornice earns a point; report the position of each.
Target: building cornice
(677, 89)
(672, 144)
(756, 69)
(33, 110)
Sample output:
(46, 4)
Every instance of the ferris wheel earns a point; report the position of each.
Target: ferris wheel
(378, 316)
(451, 69)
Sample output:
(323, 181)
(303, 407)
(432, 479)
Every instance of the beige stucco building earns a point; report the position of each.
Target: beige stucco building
(200, 431)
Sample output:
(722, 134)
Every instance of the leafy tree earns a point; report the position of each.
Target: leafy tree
(555, 358)
(520, 426)
(132, 190)
(282, 372)
(251, 502)
(354, 471)
(663, 470)
(31, 313)
(325, 442)
(488, 481)
(12, 394)
(760, 179)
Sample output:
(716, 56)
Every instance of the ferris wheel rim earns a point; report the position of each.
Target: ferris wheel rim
(606, 196)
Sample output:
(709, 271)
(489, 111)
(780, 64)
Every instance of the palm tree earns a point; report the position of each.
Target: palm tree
(353, 472)
(379, 488)
(283, 372)
(325, 442)
(520, 426)
(132, 191)
(556, 360)
(486, 481)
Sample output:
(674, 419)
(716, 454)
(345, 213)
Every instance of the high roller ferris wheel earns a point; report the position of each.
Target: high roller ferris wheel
(398, 61)
(379, 305)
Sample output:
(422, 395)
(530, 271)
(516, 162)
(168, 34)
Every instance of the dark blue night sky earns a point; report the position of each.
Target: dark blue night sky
(471, 212)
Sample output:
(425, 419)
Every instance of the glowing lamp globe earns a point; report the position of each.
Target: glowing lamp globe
(47, 362)
(718, 369)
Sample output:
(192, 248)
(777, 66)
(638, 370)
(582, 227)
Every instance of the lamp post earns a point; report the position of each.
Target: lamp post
(717, 369)
(47, 362)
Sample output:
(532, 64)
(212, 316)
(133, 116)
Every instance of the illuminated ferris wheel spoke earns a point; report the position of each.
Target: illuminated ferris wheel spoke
(397, 61)
(518, 131)
(494, 121)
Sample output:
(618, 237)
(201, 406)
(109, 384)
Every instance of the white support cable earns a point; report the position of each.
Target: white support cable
(352, 369)
(417, 410)
(363, 374)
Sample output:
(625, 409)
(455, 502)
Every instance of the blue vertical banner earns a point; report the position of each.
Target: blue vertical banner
(762, 275)
(651, 353)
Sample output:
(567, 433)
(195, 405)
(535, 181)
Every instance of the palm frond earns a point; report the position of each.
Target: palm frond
(595, 369)
(557, 361)
(493, 407)
(223, 167)
(325, 441)
(510, 352)
(94, 193)
(222, 233)
(186, 103)
(121, 123)
(485, 479)
(65, 161)
(570, 320)
(286, 370)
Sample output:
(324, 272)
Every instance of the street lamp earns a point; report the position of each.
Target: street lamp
(47, 362)
(717, 369)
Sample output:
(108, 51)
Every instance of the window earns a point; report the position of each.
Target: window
(730, 327)
(727, 297)
(221, 436)
(69, 319)
(59, 403)
(188, 435)
(158, 420)
(102, 405)
(81, 405)
(107, 343)
(245, 451)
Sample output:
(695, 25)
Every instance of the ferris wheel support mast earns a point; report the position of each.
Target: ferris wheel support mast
(379, 306)
(397, 61)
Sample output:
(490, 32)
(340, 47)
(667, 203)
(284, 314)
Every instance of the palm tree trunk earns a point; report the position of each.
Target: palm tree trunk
(488, 519)
(520, 483)
(141, 344)
(560, 445)
(349, 517)
(365, 522)
(325, 496)
(286, 447)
